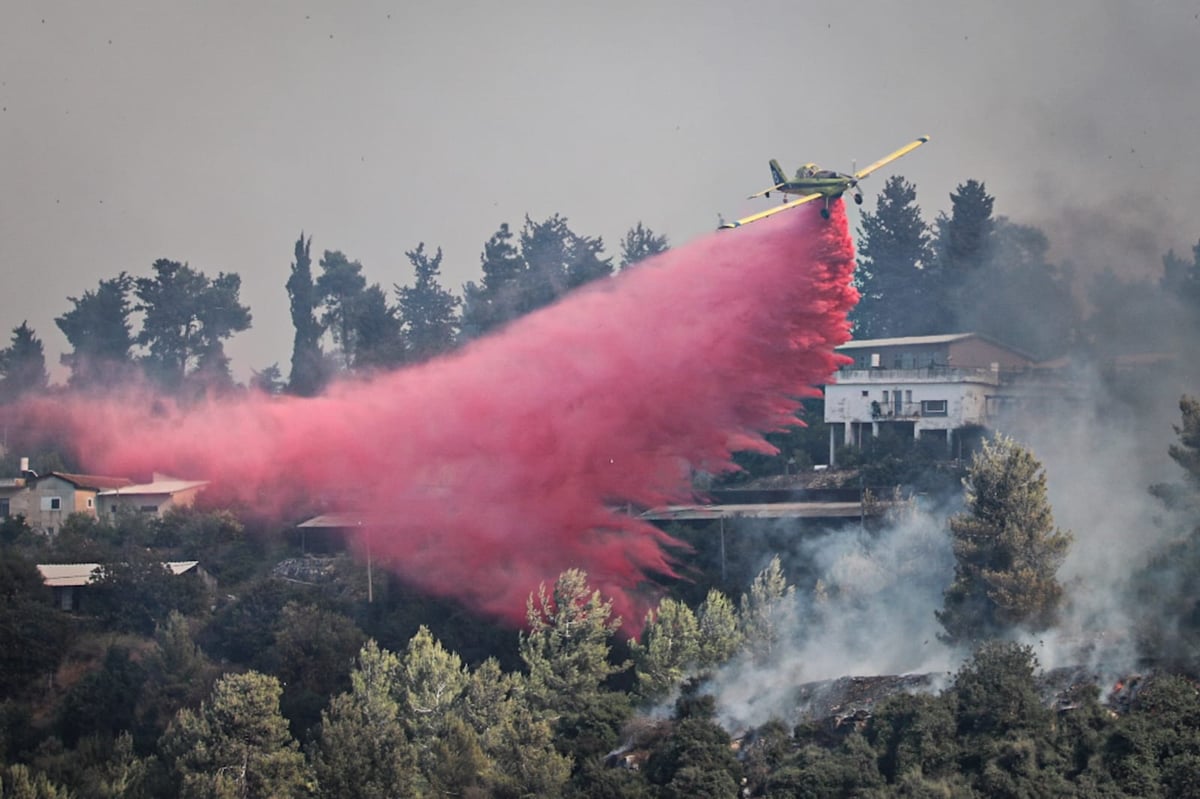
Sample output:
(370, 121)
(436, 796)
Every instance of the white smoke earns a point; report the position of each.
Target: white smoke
(871, 612)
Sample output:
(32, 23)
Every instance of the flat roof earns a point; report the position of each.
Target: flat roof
(943, 338)
(758, 510)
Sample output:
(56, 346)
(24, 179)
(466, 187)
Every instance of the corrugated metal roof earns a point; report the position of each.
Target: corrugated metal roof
(73, 574)
(158, 487)
(95, 481)
(67, 573)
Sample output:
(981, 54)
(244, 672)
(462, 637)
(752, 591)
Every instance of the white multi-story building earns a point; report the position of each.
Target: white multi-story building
(924, 386)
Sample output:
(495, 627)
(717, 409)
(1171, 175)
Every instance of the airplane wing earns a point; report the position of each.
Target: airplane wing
(764, 214)
(887, 159)
(764, 191)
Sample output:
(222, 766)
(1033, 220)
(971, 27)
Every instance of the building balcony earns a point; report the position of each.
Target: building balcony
(928, 374)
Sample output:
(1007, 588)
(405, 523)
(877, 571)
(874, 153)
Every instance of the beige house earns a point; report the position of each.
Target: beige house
(47, 500)
(157, 496)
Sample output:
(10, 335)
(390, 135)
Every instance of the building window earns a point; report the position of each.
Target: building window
(51, 503)
(148, 509)
(4, 511)
(885, 396)
(933, 408)
(866, 393)
(908, 397)
(91, 503)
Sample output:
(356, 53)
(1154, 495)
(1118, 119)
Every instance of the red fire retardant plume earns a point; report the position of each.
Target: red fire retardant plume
(485, 473)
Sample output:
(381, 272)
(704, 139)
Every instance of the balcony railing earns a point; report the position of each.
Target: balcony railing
(927, 374)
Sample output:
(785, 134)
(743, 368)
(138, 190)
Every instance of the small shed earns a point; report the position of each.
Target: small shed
(68, 580)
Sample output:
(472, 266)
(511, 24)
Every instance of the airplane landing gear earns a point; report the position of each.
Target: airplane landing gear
(858, 199)
(824, 213)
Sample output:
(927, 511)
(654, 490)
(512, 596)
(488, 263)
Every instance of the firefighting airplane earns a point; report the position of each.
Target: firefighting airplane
(813, 182)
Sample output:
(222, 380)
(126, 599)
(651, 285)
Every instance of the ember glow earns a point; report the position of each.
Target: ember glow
(492, 470)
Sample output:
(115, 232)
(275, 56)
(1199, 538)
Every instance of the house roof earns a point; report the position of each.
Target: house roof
(942, 338)
(335, 520)
(93, 481)
(74, 574)
(909, 341)
(760, 510)
(162, 487)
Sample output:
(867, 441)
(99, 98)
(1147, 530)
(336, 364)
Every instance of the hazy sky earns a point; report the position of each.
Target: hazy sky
(215, 132)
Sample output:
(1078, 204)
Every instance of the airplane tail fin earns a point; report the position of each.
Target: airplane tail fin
(777, 173)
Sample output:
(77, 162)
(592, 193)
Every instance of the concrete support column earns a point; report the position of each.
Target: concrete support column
(874, 429)
(832, 448)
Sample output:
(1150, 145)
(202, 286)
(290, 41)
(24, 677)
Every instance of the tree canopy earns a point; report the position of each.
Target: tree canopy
(22, 365)
(186, 319)
(308, 365)
(894, 255)
(1007, 550)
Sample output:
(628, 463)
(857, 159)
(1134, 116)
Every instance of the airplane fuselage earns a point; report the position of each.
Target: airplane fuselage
(831, 186)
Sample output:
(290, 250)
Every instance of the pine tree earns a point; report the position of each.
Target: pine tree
(23, 365)
(378, 339)
(639, 244)
(362, 751)
(429, 685)
(557, 261)
(494, 300)
(566, 648)
(236, 744)
(519, 742)
(428, 312)
(1187, 452)
(767, 611)
(567, 654)
(720, 637)
(894, 252)
(308, 364)
(99, 332)
(1007, 550)
(340, 289)
(963, 244)
(187, 318)
(964, 237)
(670, 646)
(20, 782)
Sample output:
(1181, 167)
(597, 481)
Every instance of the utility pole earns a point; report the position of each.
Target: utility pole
(370, 583)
